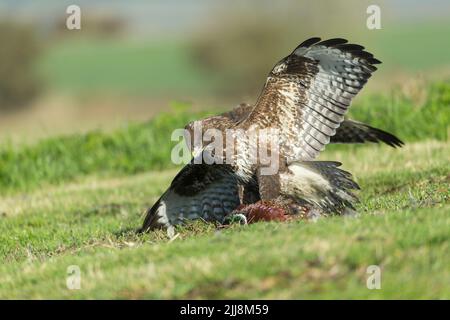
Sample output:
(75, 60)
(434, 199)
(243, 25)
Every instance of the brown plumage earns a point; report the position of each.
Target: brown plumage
(267, 210)
(305, 98)
(279, 209)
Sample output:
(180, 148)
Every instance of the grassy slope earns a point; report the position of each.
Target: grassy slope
(403, 227)
(130, 149)
(140, 147)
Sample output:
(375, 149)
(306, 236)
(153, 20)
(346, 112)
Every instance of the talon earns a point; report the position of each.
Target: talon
(236, 217)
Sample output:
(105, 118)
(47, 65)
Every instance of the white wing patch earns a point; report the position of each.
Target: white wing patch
(305, 183)
(320, 183)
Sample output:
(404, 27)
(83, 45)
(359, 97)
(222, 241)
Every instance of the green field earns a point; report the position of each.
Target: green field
(140, 147)
(163, 68)
(122, 67)
(77, 200)
(403, 227)
(395, 43)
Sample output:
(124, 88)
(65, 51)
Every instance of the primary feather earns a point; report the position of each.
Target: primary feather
(308, 93)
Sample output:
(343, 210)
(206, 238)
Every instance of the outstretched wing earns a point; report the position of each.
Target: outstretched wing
(307, 94)
(199, 191)
(352, 131)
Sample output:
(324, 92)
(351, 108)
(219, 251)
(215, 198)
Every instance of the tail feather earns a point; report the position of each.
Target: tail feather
(323, 184)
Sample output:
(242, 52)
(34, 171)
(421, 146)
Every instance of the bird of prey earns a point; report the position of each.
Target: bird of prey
(305, 98)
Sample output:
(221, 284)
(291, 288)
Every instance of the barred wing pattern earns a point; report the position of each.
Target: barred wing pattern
(199, 191)
(307, 94)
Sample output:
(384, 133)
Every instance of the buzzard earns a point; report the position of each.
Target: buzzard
(305, 98)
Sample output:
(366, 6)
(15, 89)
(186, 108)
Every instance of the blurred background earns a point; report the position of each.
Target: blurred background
(134, 59)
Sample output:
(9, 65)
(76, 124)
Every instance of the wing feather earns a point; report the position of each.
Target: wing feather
(356, 132)
(308, 93)
(199, 191)
(349, 131)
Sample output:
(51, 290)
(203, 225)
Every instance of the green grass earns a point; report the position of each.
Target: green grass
(403, 227)
(78, 199)
(130, 149)
(139, 147)
(394, 43)
(122, 67)
(423, 115)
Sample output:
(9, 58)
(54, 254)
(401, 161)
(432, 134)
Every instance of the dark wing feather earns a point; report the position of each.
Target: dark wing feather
(199, 191)
(307, 94)
(352, 131)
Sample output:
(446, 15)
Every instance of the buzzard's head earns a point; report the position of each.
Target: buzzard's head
(195, 130)
(220, 122)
